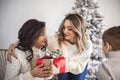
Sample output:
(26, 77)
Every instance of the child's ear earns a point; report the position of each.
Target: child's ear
(108, 46)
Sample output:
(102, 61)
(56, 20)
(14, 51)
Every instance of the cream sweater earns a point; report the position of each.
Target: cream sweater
(20, 68)
(75, 62)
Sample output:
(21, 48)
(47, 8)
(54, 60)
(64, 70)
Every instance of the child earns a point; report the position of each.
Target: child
(109, 70)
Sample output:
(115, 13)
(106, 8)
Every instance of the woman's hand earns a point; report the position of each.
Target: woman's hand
(41, 71)
(11, 52)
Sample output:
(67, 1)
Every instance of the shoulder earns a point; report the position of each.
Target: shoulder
(110, 63)
(20, 54)
(104, 66)
(103, 72)
(89, 46)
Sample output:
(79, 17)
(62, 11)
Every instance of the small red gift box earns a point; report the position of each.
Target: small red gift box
(57, 62)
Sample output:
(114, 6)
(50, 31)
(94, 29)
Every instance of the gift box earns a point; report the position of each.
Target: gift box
(53, 58)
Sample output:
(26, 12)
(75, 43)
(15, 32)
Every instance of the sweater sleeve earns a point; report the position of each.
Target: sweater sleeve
(13, 71)
(78, 64)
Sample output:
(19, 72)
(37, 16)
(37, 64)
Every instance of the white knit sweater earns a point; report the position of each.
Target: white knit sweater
(75, 62)
(20, 68)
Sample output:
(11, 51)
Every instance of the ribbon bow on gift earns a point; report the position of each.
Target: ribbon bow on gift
(53, 54)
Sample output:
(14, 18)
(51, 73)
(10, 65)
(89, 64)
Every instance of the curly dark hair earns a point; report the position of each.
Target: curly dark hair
(28, 33)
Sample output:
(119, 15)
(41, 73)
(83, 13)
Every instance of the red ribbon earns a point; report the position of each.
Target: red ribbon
(60, 62)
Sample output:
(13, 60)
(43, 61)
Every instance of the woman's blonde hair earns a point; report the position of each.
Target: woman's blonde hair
(78, 26)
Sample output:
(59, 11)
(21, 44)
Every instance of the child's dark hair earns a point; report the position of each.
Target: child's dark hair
(28, 33)
(112, 36)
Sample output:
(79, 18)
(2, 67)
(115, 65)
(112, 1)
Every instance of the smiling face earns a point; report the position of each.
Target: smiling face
(41, 40)
(68, 32)
(73, 30)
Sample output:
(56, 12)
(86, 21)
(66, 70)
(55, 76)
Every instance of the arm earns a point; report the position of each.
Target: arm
(78, 64)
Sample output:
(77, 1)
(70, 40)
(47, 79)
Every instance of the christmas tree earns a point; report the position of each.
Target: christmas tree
(88, 9)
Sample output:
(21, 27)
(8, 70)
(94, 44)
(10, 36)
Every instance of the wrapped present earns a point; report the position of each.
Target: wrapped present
(53, 58)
